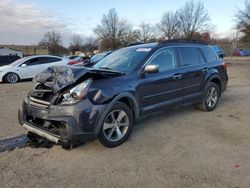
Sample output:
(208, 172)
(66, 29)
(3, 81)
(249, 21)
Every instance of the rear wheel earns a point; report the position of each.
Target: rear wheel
(117, 125)
(210, 98)
(11, 78)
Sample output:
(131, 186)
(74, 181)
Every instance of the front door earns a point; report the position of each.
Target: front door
(29, 68)
(163, 89)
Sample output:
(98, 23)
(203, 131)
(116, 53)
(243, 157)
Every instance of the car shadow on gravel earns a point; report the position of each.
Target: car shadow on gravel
(22, 141)
(163, 115)
(26, 140)
(13, 143)
(20, 81)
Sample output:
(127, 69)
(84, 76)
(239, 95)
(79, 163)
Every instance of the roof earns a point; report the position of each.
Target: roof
(183, 41)
(42, 56)
(34, 56)
(145, 45)
(169, 43)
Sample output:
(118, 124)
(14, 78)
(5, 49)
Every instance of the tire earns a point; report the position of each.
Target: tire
(210, 98)
(117, 125)
(11, 78)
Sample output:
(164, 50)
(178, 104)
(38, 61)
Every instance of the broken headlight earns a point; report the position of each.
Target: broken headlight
(77, 93)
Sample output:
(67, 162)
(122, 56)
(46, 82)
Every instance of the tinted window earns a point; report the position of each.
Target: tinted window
(208, 55)
(44, 60)
(165, 59)
(33, 61)
(189, 56)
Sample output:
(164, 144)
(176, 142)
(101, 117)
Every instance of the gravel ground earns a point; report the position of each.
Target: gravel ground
(179, 148)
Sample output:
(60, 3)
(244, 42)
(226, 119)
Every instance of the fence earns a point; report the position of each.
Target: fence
(228, 48)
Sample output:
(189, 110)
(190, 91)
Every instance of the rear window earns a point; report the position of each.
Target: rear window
(208, 55)
(189, 56)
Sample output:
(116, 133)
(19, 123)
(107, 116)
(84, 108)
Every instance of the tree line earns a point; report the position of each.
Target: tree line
(242, 19)
(114, 32)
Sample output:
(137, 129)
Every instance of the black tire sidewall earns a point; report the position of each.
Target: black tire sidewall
(103, 139)
(209, 86)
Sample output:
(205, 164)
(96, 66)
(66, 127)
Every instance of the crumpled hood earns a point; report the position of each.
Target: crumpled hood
(58, 77)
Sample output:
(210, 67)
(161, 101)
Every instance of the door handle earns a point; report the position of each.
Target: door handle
(205, 70)
(177, 76)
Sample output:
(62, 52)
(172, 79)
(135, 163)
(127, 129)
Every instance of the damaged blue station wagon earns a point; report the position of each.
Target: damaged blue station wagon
(75, 104)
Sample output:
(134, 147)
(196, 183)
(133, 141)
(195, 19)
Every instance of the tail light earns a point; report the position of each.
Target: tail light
(224, 65)
(72, 62)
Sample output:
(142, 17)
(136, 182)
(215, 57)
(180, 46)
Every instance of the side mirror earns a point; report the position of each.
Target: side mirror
(24, 65)
(221, 56)
(151, 69)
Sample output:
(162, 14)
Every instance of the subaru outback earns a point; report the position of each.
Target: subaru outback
(75, 104)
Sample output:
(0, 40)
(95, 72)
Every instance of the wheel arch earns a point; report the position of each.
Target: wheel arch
(4, 77)
(215, 79)
(126, 98)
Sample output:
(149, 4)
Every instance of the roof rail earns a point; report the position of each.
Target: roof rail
(134, 43)
(182, 41)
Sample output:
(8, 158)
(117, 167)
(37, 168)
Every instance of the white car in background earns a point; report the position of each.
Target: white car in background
(28, 67)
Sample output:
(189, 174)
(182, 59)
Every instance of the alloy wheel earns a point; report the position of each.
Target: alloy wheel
(212, 97)
(116, 125)
(12, 78)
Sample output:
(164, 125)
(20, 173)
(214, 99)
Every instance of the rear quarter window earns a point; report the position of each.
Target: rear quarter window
(208, 55)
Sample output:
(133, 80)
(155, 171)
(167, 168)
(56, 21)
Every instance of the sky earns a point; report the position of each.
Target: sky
(25, 21)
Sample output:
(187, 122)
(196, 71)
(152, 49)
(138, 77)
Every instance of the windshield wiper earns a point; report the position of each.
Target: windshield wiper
(111, 70)
(107, 68)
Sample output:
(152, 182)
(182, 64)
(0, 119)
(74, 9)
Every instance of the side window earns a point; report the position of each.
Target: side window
(201, 58)
(208, 55)
(34, 61)
(189, 56)
(44, 60)
(53, 59)
(165, 59)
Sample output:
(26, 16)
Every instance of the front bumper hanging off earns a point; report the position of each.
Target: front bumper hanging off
(73, 123)
(42, 133)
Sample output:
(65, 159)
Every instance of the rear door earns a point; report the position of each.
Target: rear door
(193, 70)
(163, 89)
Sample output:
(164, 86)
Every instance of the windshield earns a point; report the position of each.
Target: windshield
(17, 62)
(123, 60)
(96, 58)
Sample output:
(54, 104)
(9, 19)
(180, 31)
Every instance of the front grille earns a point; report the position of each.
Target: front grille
(39, 103)
(41, 96)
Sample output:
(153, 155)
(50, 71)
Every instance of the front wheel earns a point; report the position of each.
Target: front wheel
(11, 78)
(117, 125)
(210, 98)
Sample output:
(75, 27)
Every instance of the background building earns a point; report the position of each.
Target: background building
(10, 52)
(28, 49)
